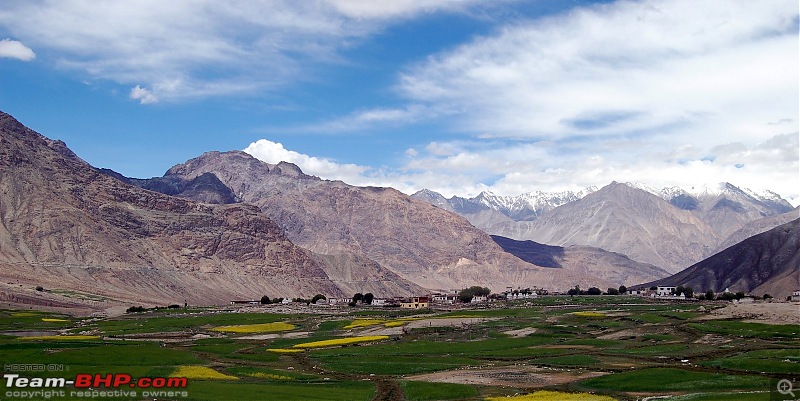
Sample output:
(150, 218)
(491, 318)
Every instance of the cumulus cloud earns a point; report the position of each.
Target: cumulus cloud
(143, 95)
(15, 49)
(274, 152)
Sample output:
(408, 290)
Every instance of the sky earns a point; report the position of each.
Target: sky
(456, 96)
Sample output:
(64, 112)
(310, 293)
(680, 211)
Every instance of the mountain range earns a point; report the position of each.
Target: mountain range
(669, 228)
(425, 245)
(767, 263)
(226, 226)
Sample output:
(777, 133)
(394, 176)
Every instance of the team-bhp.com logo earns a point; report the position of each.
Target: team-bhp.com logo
(94, 386)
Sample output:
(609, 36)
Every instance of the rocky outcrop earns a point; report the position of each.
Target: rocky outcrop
(66, 225)
(767, 263)
(418, 242)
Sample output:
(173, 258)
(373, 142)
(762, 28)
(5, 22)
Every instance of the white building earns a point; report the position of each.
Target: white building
(663, 291)
(796, 296)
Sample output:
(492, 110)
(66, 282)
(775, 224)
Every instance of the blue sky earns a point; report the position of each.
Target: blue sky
(456, 96)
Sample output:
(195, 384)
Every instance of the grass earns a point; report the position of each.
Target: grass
(391, 365)
(546, 395)
(284, 391)
(59, 338)
(427, 391)
(340, 341)
(743, 329)
(672, 379)
(256, 328)
(329, 366)
(769, 361)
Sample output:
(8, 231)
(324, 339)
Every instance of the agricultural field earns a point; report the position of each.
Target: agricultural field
(551, 348)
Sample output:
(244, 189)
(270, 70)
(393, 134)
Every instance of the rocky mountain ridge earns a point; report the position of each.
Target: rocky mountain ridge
(766, 263)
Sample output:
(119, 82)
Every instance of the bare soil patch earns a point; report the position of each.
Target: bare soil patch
(759, 312)
(522, 376)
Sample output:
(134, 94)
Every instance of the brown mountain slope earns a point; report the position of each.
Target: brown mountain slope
(421, 243)
(757, 227)
(65, 225)
(626, 220)
(599, 267)
(767, 263)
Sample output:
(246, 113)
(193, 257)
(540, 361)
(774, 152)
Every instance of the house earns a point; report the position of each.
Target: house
(514, 295)
(241, 302)
(415, 303)
(665, 291)
(378, 302)
(446, 299)
(796, 296)
(479, 299)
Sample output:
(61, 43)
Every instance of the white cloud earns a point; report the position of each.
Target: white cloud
(15, 49)
(627, 68)
(395, 8)
(274, 152)
(143, 95)
(203, 48)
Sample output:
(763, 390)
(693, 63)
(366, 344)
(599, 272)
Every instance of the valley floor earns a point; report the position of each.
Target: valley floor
(581, 348)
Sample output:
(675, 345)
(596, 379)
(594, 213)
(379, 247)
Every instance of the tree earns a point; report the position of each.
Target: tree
(368, 297)
(710, 295)
(653, 288)
(688, 292)
(678, 290)
(612, 291)
(467, 294)
(594, 291)
(622, 289)
(574, 291)
(317, 298)
(39, 288)
(739, 295)
(767, 296)
(265, 300)
(358, 297)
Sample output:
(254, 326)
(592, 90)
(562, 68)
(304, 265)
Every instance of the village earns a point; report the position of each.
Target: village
(476, 296)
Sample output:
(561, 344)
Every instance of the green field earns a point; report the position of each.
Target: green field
(624, 347)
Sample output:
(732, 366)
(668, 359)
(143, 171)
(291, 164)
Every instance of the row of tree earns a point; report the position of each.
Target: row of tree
(596, 291)
(265, 300)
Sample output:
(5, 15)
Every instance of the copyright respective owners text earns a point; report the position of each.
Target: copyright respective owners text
(53, 381)
(785, 389)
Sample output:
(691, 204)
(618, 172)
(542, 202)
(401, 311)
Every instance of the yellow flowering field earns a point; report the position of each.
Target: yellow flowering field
(201, 372)
(588, 314)
(284, 350)
(256, 328)
(49, 319)
(60, 338)
(340, 341)
(24, 314)
(554, 396)
(262, 375)
(363, 323)
(394, 324)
